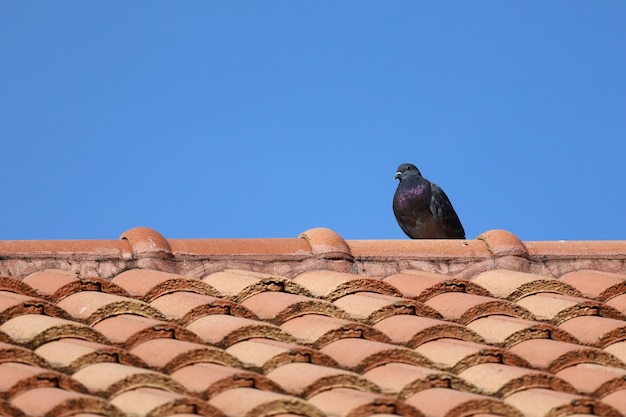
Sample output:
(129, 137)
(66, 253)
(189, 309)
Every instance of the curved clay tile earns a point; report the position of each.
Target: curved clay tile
(278, 307)
(17, 286)
(57, 402)
(455, 355)
(596, 284)
(464, 308)
(261, 404)
(512, 285)
(332, 285)
(556, 308)
(68, 355)
(106, 379)
(34, 330)
(351, 402)
(306, 379)
(7, 409)
(263, 355)
(316, 330)
(543, 402)
(594, 380)
(185, 307)
(552, 355)
(506, 331)
(155, 402)
(595, 331)
(148, 284)
(238, 285)
(13, 353)
(130, 330)
(359, 355)
(167, 355)
(618, 350)
(5, 338)
(56, 284)
(222, 331)
(371, 307)
(404, 380)
(617, 400)
(618, 303)
(496, 379)
(412, 331)
(12, 305)
(423, 285)
(451, 403)
(18, 378)
(209, 379)
(93, 306)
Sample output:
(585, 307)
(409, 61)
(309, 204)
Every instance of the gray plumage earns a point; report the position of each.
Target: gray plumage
(422, 209)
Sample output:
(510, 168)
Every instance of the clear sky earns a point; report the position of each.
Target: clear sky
(268, 118)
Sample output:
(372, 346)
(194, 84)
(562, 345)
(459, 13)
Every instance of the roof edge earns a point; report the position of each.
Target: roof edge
(318, 248)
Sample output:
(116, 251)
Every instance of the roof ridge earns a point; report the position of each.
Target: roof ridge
(317, 248)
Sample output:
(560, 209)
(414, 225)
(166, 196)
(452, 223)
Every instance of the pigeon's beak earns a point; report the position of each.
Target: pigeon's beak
(397, 175)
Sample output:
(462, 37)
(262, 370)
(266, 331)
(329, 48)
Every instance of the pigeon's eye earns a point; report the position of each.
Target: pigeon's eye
(408, 168)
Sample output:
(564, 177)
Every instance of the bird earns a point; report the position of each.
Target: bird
(422, 209)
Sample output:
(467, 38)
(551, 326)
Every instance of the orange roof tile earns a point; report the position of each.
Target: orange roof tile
(312, 326)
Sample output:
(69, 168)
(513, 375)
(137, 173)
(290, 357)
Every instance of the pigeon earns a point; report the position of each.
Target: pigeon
(422, 209)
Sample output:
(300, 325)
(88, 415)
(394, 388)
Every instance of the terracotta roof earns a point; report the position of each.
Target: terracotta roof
(312, 326)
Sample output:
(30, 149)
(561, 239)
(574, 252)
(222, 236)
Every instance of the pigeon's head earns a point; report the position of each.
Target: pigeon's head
(406, 170)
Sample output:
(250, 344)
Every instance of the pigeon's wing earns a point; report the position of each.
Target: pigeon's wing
(442, 209)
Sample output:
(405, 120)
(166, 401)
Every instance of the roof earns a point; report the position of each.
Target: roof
(314, 325)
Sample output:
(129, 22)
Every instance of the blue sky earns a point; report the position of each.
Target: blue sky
(265, 119)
